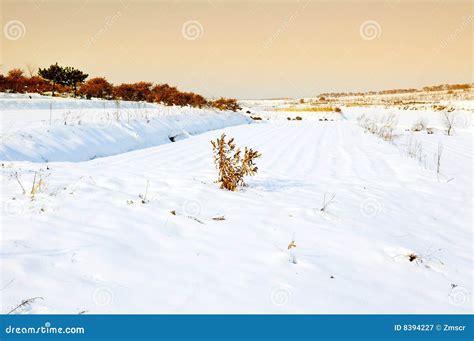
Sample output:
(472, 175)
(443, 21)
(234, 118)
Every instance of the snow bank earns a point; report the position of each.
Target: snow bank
(43, 129)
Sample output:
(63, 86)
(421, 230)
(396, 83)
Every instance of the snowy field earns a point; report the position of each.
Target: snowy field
(396, 238)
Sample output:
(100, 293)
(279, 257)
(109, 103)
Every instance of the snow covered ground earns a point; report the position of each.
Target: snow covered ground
(87, 243)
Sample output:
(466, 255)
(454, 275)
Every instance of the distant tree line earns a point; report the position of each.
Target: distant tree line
(67, 80)
(442, 87)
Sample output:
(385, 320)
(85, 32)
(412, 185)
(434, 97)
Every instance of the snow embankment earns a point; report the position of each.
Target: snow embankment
(43, 129)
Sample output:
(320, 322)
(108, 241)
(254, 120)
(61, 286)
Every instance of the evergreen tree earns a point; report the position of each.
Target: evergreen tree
(67, 76)
(55, 74)
(74, 77)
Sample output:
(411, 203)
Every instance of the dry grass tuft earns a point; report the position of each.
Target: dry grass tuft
(232, 166)
(383, 127)
(413, 257)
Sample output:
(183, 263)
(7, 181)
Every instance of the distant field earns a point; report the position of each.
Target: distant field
(306, 109)
(421, 100)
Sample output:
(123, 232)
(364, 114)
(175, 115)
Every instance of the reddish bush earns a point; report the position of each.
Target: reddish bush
(226, 104)
(124, 91)
(189, 98)
(36, 84)
(3, 83)
(142, 90)
(97, 87)
(60, 89)
(165, 94)
(15, 81)
(133, 92)
(198, 101)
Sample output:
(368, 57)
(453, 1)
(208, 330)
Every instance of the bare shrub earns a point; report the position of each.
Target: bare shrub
(386, 127)
(419, 125)
(438, 158)
(23, 304)
(232, 166)
(415, 150)
(383, 127)
(66, 115)
(448, 120)
(38, 185)
(413, 257)
(424, 259)
(362, 121)
(291, 246)
(17, 177)
(327, 201)
(117, 114)
(143, 196)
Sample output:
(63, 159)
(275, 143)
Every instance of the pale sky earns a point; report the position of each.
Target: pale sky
(247, 49)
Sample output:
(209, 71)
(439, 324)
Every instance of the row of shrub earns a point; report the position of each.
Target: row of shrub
(72, 82)
(440, 87)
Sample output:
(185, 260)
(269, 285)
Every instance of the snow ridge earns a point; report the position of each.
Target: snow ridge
(92, 129)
